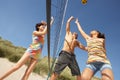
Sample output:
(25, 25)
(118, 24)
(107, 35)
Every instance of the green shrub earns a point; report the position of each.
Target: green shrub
(2, 53)
(61, 77)
(14, 57)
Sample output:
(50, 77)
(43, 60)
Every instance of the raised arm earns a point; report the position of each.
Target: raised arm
(81, 46)
(68, 24)
(37, 33)
(81, 30)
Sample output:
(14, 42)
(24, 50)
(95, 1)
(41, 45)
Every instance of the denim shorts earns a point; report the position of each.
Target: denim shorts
(66, 59)
(98, 66)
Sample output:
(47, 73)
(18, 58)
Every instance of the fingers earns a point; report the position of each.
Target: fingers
(76, 21)
(52, 18)
(71, 18)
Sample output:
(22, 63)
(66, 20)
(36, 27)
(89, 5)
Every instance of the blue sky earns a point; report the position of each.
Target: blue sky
(18, 18)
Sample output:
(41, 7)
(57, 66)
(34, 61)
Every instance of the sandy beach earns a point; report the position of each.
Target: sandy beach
(5, 65)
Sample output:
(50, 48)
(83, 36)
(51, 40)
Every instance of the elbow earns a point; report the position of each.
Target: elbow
(86, 49)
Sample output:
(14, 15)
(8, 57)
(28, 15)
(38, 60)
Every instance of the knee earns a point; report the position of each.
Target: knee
(107, 76)
(16, 67)
(84, 77)
(104, 77)
(54, 76)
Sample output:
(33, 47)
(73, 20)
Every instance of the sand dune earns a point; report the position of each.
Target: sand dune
(17, 75)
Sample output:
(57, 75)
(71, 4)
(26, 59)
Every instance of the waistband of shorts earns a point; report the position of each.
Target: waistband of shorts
(66, 52)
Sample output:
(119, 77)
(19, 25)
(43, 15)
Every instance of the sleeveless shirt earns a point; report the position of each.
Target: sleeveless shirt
(96, 51)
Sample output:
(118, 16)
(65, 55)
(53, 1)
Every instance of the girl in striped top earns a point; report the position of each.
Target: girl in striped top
(97, 58)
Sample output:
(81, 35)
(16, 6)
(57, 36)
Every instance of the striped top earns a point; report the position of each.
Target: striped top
(96, 51)
(37, 43)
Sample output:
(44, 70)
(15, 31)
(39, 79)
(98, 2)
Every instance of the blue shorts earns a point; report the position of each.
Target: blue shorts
(98, 66)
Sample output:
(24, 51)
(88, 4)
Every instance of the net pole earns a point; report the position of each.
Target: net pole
(48, 18)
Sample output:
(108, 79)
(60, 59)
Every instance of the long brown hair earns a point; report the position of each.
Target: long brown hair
(39, 24)
(100, 35)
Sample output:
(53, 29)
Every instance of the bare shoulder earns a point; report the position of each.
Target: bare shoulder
(34, 32)
(76, 42)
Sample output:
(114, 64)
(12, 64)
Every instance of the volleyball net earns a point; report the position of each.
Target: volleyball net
(57, 9)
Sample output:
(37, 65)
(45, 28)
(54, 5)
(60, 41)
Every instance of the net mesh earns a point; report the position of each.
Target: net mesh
(58, 11)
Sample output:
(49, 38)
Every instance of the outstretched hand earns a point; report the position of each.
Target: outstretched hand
(71, 18)
(76, 21)
(52, 18)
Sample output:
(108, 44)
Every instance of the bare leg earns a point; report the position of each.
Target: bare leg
(22, 61)
(107, 74)
(29, 69)
(54, 76)
(87, 74)
(78, 77)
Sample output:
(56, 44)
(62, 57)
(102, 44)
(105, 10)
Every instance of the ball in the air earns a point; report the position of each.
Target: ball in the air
(84, 1)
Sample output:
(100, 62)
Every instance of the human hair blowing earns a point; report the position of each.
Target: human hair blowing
(38, 25)
(101, 35)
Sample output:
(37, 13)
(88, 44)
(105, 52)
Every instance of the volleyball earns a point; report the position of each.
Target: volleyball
(84, 1)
